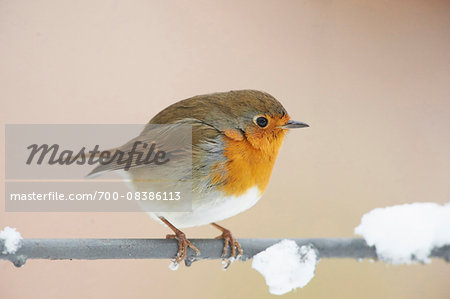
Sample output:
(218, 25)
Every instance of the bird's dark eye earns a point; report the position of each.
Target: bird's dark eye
(261, 121)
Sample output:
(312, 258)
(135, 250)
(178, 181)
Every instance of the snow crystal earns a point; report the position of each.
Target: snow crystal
(285, 266)
(174, 266)
(406, 233)
(12, 240)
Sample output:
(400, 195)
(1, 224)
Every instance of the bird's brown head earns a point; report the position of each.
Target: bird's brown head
(243, 115)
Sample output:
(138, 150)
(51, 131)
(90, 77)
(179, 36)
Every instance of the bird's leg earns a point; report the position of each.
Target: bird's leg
(183, 242)
(229, 240)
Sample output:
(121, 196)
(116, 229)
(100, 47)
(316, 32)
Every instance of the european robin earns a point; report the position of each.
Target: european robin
(236, 137)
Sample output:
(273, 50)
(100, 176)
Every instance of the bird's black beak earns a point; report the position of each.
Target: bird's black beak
(292, 124)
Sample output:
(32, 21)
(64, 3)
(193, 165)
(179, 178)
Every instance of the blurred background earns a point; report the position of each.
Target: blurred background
(370, 77)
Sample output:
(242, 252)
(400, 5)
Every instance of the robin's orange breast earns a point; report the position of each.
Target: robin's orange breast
(249, 161)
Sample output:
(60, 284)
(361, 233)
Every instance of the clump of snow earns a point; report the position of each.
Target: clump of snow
(406, 233)
(285, 266)
(226, 263)
(12, 240)
(174, 266)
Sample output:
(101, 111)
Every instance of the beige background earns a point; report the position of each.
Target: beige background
(370, 77)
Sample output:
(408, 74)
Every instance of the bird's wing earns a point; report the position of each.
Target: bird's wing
(177, 140)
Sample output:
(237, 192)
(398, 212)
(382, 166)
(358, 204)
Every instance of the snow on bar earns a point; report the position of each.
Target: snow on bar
(11, 240)
(406, 233)
(285, 266)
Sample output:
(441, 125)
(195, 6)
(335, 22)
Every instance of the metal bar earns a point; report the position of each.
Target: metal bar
(97, 249)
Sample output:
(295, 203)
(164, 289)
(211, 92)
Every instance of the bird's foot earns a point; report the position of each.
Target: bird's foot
(183, 244)
(229, 240)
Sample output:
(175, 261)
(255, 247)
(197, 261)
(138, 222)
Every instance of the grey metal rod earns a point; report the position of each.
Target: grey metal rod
(97, 249)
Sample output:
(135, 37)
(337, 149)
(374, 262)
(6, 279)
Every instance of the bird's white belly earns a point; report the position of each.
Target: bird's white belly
(211, 209)
(207, 208)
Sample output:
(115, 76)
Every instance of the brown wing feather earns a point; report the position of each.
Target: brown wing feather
(174, 139)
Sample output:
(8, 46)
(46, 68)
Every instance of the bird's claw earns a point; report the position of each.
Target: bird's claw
(183, 244)
(229, 240)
